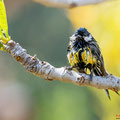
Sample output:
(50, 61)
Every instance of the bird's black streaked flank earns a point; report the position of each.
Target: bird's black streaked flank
(84, 54)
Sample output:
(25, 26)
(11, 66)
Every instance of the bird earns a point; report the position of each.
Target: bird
(84, 55)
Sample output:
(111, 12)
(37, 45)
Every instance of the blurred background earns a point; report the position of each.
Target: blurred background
(45, 32)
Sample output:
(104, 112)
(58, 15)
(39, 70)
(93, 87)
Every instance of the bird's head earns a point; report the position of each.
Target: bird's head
(82, 34)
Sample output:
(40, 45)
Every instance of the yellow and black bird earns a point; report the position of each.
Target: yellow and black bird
(84, 54)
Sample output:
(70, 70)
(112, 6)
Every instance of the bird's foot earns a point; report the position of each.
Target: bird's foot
(91, 75)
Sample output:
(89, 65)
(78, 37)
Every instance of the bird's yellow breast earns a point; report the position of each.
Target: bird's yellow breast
(86, 57)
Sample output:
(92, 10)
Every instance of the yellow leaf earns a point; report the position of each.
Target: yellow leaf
(3, 23)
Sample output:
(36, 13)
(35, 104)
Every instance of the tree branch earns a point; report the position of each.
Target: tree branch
(68, 3)
(46, 71)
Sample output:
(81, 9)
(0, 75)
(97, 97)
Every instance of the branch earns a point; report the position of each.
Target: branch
(46, 71)
(68, 3)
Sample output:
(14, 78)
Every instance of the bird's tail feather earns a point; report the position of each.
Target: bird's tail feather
(117, 93)
(108, 94)
(98, 72)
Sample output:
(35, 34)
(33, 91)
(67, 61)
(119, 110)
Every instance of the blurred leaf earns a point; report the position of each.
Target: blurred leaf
(1, 45)
(4, 37)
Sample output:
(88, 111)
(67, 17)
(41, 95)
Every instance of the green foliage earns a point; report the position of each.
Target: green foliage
(4, 37)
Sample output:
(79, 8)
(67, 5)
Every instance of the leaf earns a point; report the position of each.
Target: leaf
(2, 47)
(4, 37)
(3, 23)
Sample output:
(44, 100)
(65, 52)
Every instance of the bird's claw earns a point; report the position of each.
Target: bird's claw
(91, 76)
(69, 68)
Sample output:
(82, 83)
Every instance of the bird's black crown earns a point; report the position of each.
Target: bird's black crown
(82, 32)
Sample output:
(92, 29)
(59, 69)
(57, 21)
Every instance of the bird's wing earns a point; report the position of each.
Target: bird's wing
(96, 52)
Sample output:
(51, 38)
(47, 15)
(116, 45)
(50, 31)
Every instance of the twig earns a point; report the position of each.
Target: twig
(68, 3)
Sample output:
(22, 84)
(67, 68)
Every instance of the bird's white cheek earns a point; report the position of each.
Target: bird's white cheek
(89, 38)
(73, 37)
(68, 55)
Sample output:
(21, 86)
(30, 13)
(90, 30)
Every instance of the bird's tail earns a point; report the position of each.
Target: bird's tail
(108, 94)
(102, 72)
